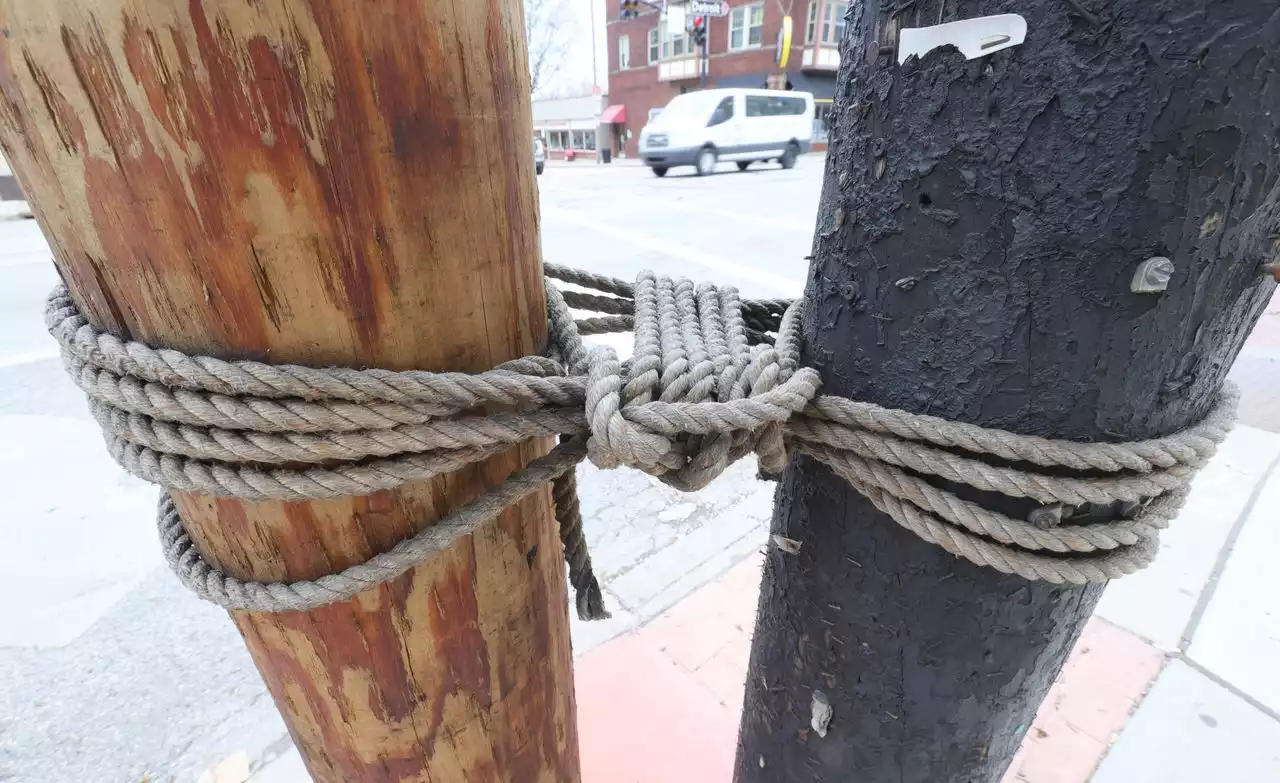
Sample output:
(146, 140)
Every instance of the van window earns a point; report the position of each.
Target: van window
(794, 106)
(685, 109)
(723, 112)
(773, 106)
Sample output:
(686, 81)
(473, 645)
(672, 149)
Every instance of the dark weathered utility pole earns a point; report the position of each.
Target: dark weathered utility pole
(980, 226)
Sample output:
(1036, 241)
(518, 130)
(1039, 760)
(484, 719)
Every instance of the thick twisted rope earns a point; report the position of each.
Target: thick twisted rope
(760, 315)
(214, 585)
(240, 429)
(706, 386)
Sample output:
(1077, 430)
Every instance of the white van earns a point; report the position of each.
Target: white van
(699, 128)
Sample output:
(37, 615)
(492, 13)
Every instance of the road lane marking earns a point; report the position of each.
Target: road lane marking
(679, 205)
(780, 285)
(25, 258)
(30, 357)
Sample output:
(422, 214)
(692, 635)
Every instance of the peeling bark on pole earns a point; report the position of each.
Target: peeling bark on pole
(325, 183)
(979, 229)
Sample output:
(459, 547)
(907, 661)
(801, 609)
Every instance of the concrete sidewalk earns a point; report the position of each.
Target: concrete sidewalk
(1172, 681)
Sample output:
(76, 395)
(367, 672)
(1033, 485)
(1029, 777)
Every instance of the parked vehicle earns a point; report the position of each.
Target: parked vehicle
(744, 126)
(539, 155)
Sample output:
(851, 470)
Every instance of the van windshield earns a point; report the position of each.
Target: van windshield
(692, 107)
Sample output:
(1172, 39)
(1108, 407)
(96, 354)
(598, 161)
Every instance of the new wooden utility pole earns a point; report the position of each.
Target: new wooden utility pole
(980, 226)
(325, 183)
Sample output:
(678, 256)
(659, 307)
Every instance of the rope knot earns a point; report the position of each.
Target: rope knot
(696, 395)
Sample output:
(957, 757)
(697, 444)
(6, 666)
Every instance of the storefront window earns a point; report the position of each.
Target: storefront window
(584, 140)
(557, 140)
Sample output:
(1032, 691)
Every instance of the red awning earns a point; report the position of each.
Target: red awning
(615, 113)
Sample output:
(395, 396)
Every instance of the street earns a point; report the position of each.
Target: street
(110, 671)
(750, 229)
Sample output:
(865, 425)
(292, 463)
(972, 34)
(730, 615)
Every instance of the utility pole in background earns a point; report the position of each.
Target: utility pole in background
(703, 12)
(704, 66)
(595, 81)
(595, 71)
(313, 182)
(979, 230)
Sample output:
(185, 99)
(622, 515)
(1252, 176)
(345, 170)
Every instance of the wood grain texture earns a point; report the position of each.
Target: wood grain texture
(325, 183)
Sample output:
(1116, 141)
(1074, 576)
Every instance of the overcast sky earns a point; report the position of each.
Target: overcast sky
(577, 67)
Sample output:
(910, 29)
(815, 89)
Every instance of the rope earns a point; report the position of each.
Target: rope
(712, 379)
(214, 585)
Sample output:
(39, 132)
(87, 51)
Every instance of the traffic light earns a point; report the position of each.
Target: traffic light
(698, 30)
(628, 9)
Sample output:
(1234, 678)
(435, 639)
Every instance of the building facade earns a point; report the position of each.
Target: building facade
(650, 64)
(568, 125)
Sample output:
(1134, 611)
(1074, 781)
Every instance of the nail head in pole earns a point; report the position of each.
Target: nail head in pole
(1152, 276)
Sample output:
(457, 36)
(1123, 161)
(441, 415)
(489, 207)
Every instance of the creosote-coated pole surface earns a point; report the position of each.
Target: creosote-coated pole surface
(979, 229)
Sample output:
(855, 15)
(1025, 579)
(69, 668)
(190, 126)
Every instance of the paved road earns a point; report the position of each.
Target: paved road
(110, 672)
(751, 229)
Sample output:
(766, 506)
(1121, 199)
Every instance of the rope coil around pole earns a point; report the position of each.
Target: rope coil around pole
(214, 585)
(712, 379)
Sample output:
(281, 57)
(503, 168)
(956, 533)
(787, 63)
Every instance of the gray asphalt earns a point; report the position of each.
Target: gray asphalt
(749, 229)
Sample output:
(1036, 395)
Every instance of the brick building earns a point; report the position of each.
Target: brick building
(650, 64)
(566, 124)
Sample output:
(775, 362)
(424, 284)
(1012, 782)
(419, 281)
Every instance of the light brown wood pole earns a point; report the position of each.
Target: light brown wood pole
(325, 182)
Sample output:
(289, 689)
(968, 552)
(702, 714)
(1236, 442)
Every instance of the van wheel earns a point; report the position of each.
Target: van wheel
(706, 162)
(742, 165)
(788, 159)
(660, 171)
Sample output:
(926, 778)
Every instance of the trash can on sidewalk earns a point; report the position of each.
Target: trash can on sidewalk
(606, 155)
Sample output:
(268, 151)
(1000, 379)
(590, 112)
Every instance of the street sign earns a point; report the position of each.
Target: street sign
(709, 8)
(783, 54)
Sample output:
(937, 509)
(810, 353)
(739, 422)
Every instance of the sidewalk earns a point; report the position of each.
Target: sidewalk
(1126, 709)
(591, 161)
(1173, 681)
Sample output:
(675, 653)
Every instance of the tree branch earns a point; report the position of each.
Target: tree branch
(548, 39)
